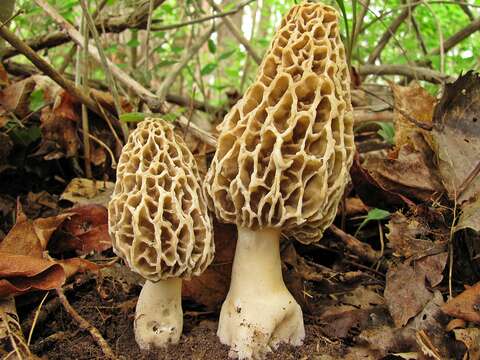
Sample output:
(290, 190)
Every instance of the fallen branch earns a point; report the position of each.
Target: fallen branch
(85, 325)
(361, 249)
(416, 72)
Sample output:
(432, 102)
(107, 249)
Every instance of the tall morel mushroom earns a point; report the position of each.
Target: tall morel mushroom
(281, 165)
(159, 225)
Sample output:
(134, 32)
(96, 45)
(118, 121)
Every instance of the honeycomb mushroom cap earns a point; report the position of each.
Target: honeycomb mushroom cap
(157, 215)
(285, 148)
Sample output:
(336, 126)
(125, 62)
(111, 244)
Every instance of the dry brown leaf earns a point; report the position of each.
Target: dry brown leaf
(85, 191)
(77, 265)
(30, 237)
(408, 235)
(20, 274)
(470, 217)
(466, 305)
(373, 193)
(417, 103)
(210, 288)
(411, 174)
(85, 230)
(405, 293)
(471, 338)
(456, 136)
(16, 97)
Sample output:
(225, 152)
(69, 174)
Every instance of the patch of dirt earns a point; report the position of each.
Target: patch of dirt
(59, 338)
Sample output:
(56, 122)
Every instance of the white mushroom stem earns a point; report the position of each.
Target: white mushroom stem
(259, 312)
(159, 315)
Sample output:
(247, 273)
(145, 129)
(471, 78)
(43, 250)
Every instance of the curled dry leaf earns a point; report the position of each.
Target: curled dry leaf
(416, 103)
(59, 128)
(465, 306)
(456, 136)
(16, 97)
(411, 174)
(20, 274)
(29, 237)
(85, 230)
(374, 193)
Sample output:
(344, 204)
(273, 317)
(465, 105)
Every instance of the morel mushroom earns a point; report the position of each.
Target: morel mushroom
(281, 165)
(159, 225)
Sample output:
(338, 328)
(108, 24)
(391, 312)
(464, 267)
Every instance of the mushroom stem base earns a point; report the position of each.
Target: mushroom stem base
(259, 312)
(159, 316)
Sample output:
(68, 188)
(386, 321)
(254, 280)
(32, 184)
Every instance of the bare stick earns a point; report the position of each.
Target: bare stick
(110, 80)
(391, 30)
(78, 39)
(85, 325)
(417, 72)
(238, 35)
(361, 249)
(458, 37)
(466, 10)
(84, 81)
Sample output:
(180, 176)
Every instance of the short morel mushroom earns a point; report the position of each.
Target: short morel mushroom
(281, 166)
(159, 225)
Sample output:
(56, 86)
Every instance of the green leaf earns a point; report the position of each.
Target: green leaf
(226, 55)
(36, 100)
(374, 214)
(25, 136)
(387, 132)
(212, 47)
(165, 63)
(133, 43)
(133, 117)
(208, 69)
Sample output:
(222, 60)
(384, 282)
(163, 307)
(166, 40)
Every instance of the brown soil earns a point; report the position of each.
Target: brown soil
(60, 338)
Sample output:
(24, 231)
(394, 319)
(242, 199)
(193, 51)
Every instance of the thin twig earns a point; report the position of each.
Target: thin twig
(389, 33)
(85, 325)
(84, 82)
(440, 36)
(416, 72)
(108, 74)
(35, 318)
(407, 116)
(147, 40)
(459, 36)
(202, 19)
(109, 151)
(45, 67)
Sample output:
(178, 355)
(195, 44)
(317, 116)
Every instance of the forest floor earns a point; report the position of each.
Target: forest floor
(396, 277)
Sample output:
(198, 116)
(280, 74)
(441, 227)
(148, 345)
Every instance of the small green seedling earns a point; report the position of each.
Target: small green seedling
(374, 214)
